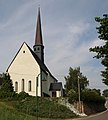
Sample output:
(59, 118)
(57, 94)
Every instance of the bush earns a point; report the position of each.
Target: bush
(6, 90)
(89, 95)
(93, 101)
(7, 95)
(22, 95)
(73, 96)
(46, 108)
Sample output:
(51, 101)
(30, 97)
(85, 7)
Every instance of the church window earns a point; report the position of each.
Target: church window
(16, 86)
(34, 49)
(23, 51)
(29, 86)
(22, 84)
(38, 49)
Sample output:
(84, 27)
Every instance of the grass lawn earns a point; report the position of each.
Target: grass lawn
(10, 113)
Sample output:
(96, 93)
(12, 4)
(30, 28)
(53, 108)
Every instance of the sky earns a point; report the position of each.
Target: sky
(68, 28)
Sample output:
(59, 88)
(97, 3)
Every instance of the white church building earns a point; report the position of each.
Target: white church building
(28, 71)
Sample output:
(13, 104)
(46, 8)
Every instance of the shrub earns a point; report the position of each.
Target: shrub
(22, 95)
(73, 96)
(7, 95)
(7, 85)
(6, 90)
(89, 95)
(46, 108)
(93, 101)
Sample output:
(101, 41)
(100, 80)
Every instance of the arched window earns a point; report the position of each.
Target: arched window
(16, 86)
(22, 84)
(29, 86)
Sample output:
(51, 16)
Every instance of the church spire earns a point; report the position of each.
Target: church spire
(38, 47)
(38, 37)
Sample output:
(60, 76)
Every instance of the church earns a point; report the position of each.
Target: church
(28, 71)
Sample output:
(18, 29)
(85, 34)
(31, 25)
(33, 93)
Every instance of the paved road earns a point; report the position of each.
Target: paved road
(100, 116)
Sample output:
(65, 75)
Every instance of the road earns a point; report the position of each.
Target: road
(100, 116)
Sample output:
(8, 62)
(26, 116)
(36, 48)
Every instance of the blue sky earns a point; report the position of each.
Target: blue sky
(69, 30)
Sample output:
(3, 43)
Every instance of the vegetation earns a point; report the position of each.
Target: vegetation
(72, 96)
(22, 106)
(46, 108)
(105, 93)
(71, 86)
(8, 113)
(72, 80)
(102, 51)
(26, 105)
(93, 101)
(7, 84)
(6, 90)
(91, 95)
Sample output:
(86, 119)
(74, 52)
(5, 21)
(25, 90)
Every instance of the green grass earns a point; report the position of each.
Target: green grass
(46, 108)
(9, 113)
(26, 110)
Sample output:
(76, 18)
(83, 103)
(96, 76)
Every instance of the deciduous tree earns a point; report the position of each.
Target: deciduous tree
(105, 93)
(72, 80)
(102, 51)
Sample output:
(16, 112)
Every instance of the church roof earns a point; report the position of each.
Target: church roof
(41, 64)
(55, 86)
(38, 37)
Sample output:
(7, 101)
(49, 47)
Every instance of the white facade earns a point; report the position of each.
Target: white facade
(59, 93)
(23, 69)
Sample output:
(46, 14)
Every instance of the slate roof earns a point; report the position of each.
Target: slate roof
(56, 86)
(38, 37)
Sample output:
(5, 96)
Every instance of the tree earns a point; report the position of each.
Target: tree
(7, 84)
(73, 96)
(98, 91)
(102, 51)
(91, 95)
(72, 80)
(6, 89)
(105, 93)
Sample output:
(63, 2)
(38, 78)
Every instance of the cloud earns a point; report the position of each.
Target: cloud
(72, 51)
(68, 33)
(69, 45)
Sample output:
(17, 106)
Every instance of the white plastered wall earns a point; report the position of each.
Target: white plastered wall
(59, 93)
(25, 67)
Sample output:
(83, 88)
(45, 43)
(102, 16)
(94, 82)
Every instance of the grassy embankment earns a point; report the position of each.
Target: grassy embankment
(26, 110)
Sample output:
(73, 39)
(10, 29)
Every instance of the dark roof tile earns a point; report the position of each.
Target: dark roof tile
(55, 86)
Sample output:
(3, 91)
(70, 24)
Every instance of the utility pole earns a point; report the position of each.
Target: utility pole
(79, 94)
(37, 96)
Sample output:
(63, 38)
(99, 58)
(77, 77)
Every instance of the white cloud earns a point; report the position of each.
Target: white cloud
(67, 31)
(70, 46)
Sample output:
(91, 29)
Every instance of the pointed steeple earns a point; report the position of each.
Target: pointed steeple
(38, 47)
(38, 37)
